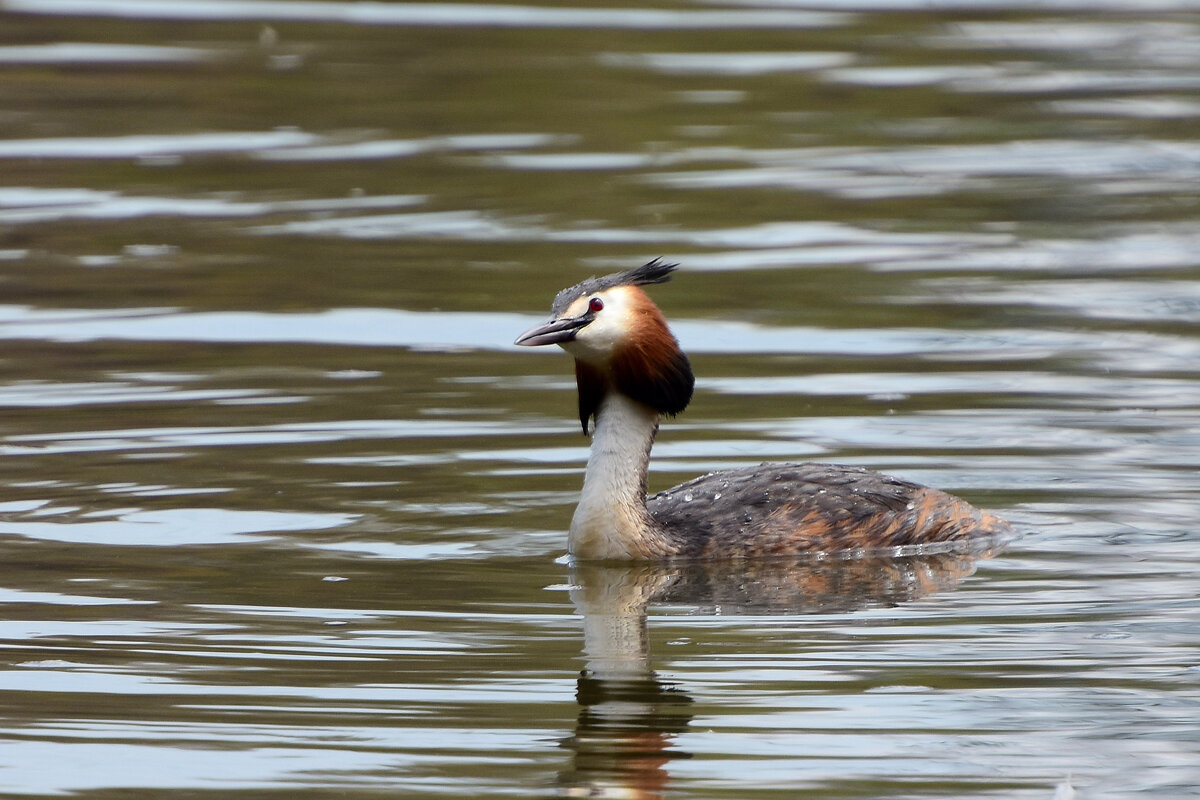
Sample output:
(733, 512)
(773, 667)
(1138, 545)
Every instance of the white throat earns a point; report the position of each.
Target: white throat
(611, 521)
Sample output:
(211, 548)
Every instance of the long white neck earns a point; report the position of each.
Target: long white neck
(611, 520)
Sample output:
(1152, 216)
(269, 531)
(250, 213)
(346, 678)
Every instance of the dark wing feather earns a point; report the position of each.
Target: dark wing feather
(790, 509)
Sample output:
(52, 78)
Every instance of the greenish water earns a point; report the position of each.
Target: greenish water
(283, 510)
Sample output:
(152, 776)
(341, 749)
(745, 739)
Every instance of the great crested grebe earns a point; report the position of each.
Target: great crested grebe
(630, 370)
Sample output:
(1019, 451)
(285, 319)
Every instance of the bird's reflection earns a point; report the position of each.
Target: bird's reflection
(629, 717)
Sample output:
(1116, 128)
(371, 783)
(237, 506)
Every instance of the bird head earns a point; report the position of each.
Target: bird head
(620, 341)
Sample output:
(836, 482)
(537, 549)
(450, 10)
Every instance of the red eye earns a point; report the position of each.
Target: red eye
(595, 304)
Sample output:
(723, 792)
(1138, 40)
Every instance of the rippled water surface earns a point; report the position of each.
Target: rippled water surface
(283, 510)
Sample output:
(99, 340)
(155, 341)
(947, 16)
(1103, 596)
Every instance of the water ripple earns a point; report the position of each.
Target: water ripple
(915, 171)
(173, 527)
(440, 14)
(147, 145)
(1147, 301)
(761, 63)
(30, 205)
(954, 240)
(95, 53)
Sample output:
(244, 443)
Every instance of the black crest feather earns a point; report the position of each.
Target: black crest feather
(656, 271)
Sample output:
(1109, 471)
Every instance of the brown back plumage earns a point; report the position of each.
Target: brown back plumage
(790, 509)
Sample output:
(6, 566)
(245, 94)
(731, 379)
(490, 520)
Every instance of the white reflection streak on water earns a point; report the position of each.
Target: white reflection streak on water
(47, 394)
(1146, 41)
(440, 14)
(93, 53)
(141, 146)
(946, 168)
(296, 433)
(280, 145)
(24, 206)
(1147, 301)
(728, 63)
(174, 527)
